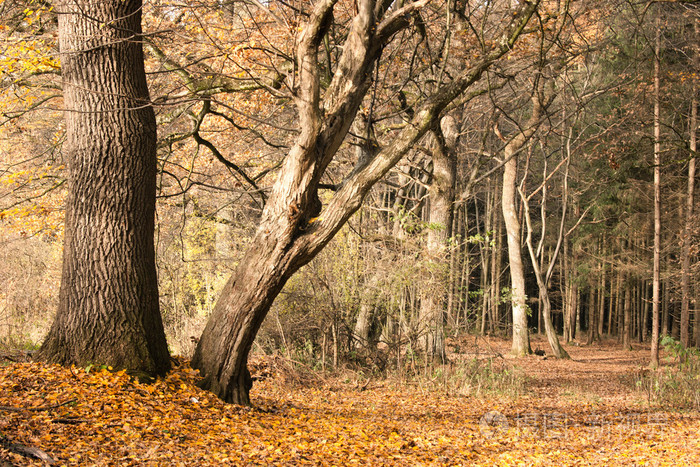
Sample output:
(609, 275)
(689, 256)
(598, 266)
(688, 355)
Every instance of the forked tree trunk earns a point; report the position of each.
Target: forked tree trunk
(442, 196)
(521, 337)
(292, 230)
(543, 277)
(108, 310)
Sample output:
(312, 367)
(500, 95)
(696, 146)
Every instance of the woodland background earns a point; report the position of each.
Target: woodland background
(579, 87)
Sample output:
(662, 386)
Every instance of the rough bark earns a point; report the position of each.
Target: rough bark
(442, 195)
(108, 310)
(368, 304)
(285, 239)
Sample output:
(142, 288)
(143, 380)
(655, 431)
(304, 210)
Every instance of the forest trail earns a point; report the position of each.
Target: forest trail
(587, 411)
(603, 371)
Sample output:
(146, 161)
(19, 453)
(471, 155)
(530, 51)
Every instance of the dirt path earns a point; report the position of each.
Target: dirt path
(603, 371)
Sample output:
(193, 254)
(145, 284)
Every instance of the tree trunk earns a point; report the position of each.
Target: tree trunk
(687, 229)
(293, 229)
(543, 277)
(496, 271)
(656, 279)
(442, 196)
(108, 310)
(368, 304)
(592, 317)
(627, 317)
(601, 301)
(521, 337)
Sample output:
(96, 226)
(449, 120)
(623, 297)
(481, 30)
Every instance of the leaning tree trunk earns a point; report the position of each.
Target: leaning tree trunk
(108, 310)
(292, 229)
(543, 277)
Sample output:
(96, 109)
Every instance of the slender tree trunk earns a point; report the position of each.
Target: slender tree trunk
(496, 270)
(542, 277)
(486, 254)
(601, 302)
(521, 338)
(687, 229)
(108, 310)
(592, 317)
(643, 315)
(656, 279)
(626, 318)
(615, 301)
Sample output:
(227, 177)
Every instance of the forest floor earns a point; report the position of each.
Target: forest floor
(486, 408)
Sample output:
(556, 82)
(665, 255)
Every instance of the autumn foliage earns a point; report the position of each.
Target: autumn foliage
(572, 413)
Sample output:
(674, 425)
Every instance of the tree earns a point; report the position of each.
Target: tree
(656, 274)
(690, 201)
(521, 337)
(108, 309)
(442, 195)
(294, 227)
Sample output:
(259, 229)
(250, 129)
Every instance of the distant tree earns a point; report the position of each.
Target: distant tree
(108, 309)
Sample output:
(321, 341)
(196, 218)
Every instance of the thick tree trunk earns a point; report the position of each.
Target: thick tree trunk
(521, 338)
(368, 304)
(293, 229)
(442, 196)
(108, 309)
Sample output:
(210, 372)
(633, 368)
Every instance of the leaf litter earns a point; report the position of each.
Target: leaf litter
(580, 412)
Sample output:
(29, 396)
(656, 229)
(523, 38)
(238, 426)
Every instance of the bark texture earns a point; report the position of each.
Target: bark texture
(442, 197)
(521, 336)
(286, 239)
(108, 301)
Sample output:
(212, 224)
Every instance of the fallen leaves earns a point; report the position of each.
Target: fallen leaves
(104, 418)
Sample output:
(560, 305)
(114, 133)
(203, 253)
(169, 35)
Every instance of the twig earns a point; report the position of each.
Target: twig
(35, 409)
(70, 421)
(26, 451)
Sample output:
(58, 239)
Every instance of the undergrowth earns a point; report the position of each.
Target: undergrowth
(676, 386)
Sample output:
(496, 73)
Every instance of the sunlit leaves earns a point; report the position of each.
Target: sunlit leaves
(104, 418)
